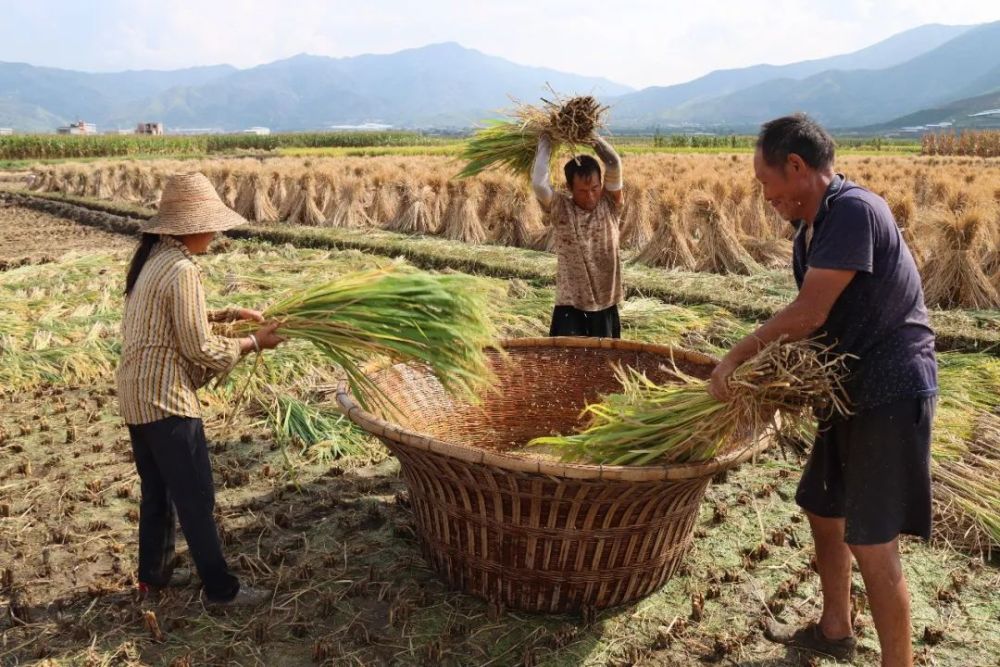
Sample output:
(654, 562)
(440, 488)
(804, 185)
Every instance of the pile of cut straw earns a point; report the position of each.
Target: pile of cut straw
(953, 274)
(965, 465)
(512, 144)
(681, 422)
(398, 313)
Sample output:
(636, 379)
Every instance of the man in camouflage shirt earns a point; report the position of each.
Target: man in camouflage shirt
(585, 221)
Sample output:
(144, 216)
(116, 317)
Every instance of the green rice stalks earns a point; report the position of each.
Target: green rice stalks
(779, 388)
(398, 313)
(512, 144)
(319, 434)
(967, 492)
(965, 465)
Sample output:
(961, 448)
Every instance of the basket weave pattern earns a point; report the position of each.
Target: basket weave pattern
(534, 533)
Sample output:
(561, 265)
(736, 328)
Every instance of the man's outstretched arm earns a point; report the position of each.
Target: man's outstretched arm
(540, 172)
(612, 168)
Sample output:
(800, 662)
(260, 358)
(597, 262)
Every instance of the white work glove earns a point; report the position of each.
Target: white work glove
(612, 164)
(540, 172)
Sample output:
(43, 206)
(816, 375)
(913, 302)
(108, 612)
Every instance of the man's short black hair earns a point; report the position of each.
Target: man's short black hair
(797, 134)
(583, 166)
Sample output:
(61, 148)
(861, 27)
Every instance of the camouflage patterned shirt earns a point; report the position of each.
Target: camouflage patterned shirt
(589, 273)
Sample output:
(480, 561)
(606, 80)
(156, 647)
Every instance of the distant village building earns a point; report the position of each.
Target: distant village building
(259, 131)
(363, 127)
(149, 128)
(5, 131)
(78, 127)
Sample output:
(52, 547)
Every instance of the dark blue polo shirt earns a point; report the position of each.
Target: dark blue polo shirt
(880, 317)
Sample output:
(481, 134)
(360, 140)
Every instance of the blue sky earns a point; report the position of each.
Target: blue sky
(635, 42)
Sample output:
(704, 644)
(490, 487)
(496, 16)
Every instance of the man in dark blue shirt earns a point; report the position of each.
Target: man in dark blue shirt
(868, 475)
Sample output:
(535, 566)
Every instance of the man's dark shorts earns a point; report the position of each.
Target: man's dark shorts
(570, 321)
(873, 470)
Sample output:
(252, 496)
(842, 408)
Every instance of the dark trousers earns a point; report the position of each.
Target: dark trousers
(171, 456)
(570, 321)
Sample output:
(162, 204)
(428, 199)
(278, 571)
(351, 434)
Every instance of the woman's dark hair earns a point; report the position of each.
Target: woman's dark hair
(581, 165)
(139, 260)
(797, 134)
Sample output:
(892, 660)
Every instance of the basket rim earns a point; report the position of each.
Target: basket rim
(513, 463)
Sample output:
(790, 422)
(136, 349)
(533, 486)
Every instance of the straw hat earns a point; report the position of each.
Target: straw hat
(190, 205)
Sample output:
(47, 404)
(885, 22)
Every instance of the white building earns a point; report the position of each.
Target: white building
(259, 131)
(363, 127)
(78, 127)
(6, 131)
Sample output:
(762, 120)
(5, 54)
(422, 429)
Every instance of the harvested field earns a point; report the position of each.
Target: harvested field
(687, 211)
(28, 236)
(333, 538)
(756, 296)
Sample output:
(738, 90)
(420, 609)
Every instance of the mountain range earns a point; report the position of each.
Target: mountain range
(930, 74)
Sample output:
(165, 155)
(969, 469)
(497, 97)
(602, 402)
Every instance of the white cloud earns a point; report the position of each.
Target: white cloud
(638, 42)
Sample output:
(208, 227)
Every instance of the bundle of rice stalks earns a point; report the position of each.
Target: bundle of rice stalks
(399, 313)
(290, 190)
(778, 389)
(140, 182)
(512, 144)
(438, 198)
(383, 201)
(965, 466)
(327, 199)
(89, 182)
(304, 210)
(318, 434)
(515, 218)
(230, 189)
(123, 185)
(754, 219)
(415, 212)
(253, 202)
(637, 226)
(902, 208)
(771, 253)
(104, 186)
(719, 245)
(349, 209)
(967, 491)
(278, 193)
(669, 246)
(493, 185)
(79, 182)
(63, 181)
(461, 220)
(43, 179)
(953, 273)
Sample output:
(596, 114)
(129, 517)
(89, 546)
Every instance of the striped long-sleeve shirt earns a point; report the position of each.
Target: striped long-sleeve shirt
(168, 349)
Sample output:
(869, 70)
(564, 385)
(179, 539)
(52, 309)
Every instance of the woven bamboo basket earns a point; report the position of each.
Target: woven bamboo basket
(530, 532)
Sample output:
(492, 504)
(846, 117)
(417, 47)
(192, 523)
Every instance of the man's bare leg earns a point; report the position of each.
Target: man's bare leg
(833, 560)
(888, 599)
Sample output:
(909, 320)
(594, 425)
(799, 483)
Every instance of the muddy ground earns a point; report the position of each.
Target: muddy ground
(32, 237)
(336, 545)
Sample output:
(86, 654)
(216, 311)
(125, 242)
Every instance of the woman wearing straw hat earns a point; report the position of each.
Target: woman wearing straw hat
(168, 352)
